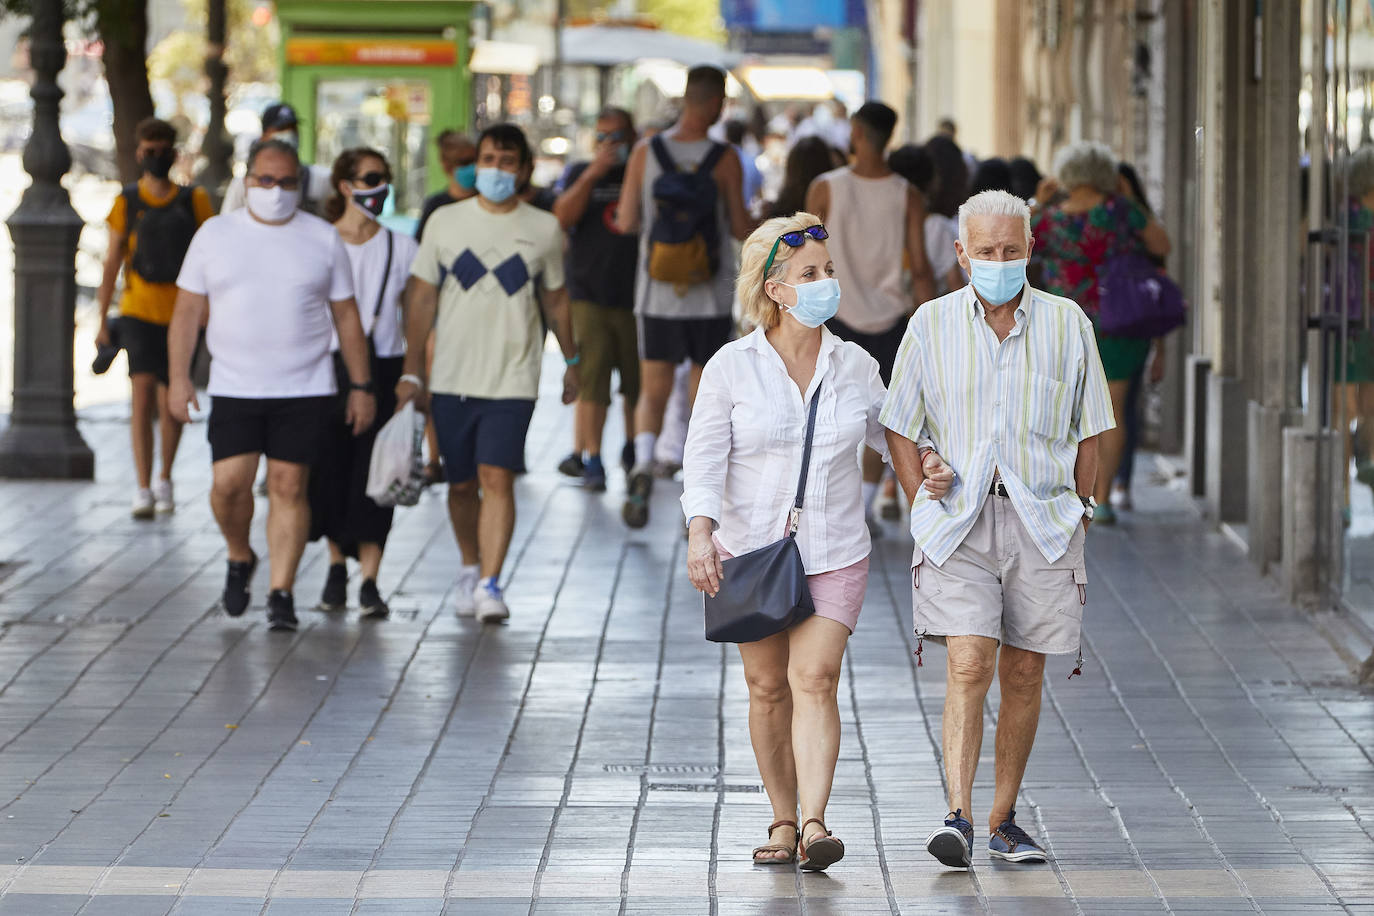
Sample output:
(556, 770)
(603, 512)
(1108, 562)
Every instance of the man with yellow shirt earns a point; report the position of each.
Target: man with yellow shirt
(151, 224)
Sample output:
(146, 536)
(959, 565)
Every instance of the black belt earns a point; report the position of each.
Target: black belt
(999, 488)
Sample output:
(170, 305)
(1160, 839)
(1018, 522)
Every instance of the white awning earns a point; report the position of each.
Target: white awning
(504, 57)
(794, 83)
(610, 46)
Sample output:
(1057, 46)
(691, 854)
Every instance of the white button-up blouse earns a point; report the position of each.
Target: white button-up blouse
(744, 449)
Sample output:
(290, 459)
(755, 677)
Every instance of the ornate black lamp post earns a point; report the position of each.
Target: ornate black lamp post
(42, 440)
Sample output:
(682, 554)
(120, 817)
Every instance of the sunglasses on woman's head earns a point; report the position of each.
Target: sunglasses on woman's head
(371, 179)
(795, 240)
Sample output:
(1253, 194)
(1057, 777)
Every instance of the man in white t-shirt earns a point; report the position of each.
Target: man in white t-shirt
(273, 283)
(476, 268)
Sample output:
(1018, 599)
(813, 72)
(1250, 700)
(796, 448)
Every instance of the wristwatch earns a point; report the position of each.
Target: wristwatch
(365, 387)
(1089, 506)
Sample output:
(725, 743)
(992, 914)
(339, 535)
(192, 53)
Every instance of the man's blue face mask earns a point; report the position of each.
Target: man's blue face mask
(998, 282)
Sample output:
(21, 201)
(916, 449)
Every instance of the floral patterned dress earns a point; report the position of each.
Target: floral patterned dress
(1073, 247)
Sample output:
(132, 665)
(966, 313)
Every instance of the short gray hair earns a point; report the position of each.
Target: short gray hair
(1086, 163)
(274, 145)
(992, 203)
(1359, 174)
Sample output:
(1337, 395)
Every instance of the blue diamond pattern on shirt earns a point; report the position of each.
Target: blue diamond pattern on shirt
(512, 274)
(468, 269)
(443, 275)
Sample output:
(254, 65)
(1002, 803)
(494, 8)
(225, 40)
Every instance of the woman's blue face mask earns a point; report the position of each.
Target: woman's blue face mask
(817, 301)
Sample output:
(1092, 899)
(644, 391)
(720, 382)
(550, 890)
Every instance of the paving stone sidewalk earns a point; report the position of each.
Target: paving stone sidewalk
(593, 756)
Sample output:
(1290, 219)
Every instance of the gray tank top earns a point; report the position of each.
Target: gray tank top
(661, 300)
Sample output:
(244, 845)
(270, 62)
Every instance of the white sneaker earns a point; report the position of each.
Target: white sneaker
(491, 607)
(162, 497)
(143, 504)
(463, 603)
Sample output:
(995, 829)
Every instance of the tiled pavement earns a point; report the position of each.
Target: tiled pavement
(593, 756)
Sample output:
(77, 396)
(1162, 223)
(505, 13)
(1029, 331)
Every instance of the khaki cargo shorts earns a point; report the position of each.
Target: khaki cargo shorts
(998, 584)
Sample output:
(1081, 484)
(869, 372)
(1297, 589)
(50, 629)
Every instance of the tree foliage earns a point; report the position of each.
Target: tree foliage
(122, 27)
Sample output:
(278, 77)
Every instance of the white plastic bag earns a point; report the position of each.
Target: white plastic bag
(396, 476)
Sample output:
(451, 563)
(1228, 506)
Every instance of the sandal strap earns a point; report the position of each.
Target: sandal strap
(815, 820)
(783, 823)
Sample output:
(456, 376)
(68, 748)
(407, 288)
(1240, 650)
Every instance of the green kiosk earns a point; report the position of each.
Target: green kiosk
(388, 74)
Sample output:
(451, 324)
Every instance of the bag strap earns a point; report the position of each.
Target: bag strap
(133, 208)
(665, 161)
(386, 275)
(794, 517)
(712, 158)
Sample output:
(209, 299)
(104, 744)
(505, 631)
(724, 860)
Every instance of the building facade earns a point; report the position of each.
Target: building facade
(1243, 119)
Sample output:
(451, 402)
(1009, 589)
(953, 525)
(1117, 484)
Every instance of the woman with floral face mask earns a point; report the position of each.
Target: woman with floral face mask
(340, 509)
(744, 454)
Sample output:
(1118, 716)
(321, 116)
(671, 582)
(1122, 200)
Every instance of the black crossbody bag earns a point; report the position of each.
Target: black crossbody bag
(765, 591)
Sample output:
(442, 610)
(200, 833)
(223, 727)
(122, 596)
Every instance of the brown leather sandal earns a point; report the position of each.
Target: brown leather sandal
(820, 853)
(789, 848)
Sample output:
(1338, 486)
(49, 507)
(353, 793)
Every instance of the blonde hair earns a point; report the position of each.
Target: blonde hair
(755, 305)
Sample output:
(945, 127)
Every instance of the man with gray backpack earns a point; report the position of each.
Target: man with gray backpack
(686, 191)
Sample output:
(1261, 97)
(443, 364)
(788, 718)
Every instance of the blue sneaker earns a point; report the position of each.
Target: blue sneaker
(594, 475)
(952, 844)
(1012, 844)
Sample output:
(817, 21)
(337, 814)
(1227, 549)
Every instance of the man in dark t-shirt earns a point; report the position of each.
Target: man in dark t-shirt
(601, 281)
(458, 159)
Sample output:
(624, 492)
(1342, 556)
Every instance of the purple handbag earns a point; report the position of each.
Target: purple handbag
(1137, 299)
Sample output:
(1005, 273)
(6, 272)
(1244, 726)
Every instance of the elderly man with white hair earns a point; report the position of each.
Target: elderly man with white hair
(993, 415)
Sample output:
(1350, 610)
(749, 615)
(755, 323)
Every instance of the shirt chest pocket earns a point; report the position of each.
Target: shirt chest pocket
(1046, 406)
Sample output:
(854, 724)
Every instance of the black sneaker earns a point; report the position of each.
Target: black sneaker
(374, 608)
(952, 844)
(1012, 844)
(335, 594)
(236, 581)
(281, 611)
(639, 486)
(627, 457)
(571, 466)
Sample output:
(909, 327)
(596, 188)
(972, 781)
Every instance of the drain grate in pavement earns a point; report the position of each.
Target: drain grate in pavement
(680, 769)
(701, 787)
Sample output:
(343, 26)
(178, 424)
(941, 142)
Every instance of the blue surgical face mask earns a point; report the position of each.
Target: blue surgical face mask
(466, 176)
(496, 185)
(817, 301)
(997, 282)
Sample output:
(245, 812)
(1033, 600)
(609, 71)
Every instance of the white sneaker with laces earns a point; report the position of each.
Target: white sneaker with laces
(143, 504)
(463, 603)
(491, 607)
(162, 497)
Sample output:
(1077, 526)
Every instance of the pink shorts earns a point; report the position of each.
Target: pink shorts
(838, 595)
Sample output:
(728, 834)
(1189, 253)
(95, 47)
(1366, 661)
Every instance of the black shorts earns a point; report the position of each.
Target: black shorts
(882, 346)
(283, 429)
(671, 340)
(146, 344)
(474, 431)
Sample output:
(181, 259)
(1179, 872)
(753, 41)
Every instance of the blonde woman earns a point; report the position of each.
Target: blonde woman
(743, 457)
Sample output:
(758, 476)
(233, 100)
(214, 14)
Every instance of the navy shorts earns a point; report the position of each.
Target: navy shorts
(473, 431)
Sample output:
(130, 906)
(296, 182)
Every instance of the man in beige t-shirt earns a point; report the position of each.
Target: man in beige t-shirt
(476, 268)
